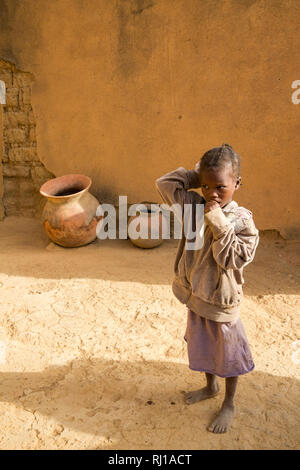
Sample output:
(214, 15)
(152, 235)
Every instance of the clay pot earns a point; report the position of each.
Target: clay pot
(145, 217)
(69, 215)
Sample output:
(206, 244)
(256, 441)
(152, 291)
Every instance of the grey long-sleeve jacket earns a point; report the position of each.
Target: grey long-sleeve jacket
(209, 280)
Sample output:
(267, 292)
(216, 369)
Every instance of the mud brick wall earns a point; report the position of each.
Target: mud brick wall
(1, 177)
(22, 171)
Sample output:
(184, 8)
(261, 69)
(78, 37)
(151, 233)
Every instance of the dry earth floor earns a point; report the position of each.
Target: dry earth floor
(95, 356)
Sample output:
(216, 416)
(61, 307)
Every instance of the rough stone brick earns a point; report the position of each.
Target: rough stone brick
(15, 135)
(14, 207)
(40, 175)
(25, 96)
(22, 171)
(7, 77)
(11, 187)
(31, 118)
(40, 172)
(5, 155)
(16, 171)
(28, 203)
(10, 119)
(27, 187)
(12, 97)
(14, 118)
(10, 205)
(22, 79)
(1, 184)
(32, 134)
(23, 154)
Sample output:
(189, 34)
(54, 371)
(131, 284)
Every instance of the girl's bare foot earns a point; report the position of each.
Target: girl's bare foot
(224, 419)
(202, 394)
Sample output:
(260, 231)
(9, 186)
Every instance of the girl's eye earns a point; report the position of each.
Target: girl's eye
(206, 187)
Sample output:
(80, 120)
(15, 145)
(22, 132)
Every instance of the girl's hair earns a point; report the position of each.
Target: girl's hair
(219, 156)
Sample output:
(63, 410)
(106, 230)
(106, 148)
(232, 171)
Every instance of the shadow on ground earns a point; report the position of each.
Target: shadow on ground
(140, 405)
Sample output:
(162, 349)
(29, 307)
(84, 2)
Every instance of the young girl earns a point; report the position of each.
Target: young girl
(209, 280)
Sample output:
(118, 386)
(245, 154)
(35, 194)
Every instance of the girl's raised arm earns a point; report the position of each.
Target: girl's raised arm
(173, 187)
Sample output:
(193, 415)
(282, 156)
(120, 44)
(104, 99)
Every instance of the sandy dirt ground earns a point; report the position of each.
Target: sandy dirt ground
(95, 356)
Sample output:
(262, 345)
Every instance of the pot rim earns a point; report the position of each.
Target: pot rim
(45, 189)
(149, 210)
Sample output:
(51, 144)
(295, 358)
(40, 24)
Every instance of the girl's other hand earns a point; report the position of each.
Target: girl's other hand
(197, 168)
(210, 205)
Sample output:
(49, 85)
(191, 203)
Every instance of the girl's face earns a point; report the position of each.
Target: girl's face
(218, 184)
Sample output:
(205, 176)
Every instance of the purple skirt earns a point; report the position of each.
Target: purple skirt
(217, 348)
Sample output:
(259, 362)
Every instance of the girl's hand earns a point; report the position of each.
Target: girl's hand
(210, 205)
(197, 168)
(197, 171)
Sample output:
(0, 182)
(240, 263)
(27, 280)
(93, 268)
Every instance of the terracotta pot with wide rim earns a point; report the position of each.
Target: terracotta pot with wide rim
(148, 216)
(69, 215)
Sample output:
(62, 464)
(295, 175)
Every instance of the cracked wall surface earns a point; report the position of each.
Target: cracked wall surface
(22, 171)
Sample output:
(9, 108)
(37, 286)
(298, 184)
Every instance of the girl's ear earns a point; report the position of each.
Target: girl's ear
(238, 182)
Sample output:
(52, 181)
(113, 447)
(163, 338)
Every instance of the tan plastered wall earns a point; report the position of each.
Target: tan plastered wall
(128, 90)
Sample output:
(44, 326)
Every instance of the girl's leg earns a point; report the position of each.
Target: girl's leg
(226, 414)
(211, 390)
